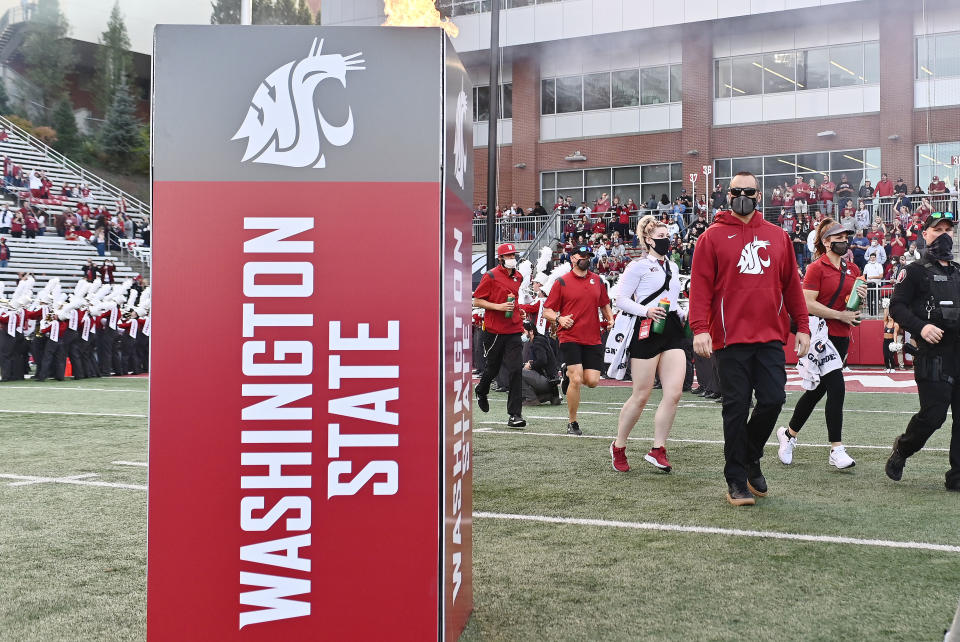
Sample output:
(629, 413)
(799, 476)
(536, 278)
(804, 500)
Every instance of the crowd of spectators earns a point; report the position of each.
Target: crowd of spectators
(40, 208)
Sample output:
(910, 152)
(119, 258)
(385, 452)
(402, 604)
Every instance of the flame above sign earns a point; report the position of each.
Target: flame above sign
(417, 13)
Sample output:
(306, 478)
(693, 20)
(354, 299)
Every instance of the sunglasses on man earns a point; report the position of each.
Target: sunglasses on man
(743, 191)
(942, 215)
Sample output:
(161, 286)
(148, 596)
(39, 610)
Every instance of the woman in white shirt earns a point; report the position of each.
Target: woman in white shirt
(638, 292)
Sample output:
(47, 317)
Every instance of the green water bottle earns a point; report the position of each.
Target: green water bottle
(854, 301)
(659, 325)
(687, 330)
(509, 313)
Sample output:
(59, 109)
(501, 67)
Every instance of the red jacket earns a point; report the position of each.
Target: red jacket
(884, 188)
(744, 284)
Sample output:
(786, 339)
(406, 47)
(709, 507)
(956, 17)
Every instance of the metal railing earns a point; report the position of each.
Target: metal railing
(14, 15)
(881, 208)
(521, 229)
(85, 176)
(548, 235)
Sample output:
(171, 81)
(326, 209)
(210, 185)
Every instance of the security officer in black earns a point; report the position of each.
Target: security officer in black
(926, 302)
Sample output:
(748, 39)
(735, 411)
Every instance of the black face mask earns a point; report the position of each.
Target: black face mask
(743, 205)
(583, 264)
(661, 246)
(839, 247)
(941, 248)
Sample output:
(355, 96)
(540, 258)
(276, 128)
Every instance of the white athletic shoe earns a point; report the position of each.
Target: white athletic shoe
(787, 444)
(840, 458)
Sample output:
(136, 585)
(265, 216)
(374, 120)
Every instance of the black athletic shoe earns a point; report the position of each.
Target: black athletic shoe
(711, 395)
(756, 482)
(573, 428)
(516, 421)
(697, 390)
(555, 401)
(895, 463)
(739, 495)
(482, 403)
(953, 488)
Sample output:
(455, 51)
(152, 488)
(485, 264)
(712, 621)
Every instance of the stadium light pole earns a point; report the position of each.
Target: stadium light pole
(246, 12)
(492, 137)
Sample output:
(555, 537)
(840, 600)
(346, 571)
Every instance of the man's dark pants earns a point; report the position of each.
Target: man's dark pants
(745, 369)
(937, 394)
(508, 350)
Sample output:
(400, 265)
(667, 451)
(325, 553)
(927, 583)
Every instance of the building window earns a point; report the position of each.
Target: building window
(481, 102)
(627, 88)
(781, 170)
(639, 182)
(797, 70)
(938, 56)
(937, 160)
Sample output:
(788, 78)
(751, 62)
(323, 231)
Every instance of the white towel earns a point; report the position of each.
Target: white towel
(615, 353)
(821, 358)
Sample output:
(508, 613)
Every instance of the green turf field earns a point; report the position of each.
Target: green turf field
(73, 556)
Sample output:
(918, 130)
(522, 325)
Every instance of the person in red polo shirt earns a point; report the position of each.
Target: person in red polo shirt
(826, 287)
(573, 304)
(503, 326)
(884, 187)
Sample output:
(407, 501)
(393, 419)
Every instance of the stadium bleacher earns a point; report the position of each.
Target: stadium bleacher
(48, 256)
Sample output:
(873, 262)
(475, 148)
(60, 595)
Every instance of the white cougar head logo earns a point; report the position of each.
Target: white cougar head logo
(750, 261)
(459, 145)
(283, 126)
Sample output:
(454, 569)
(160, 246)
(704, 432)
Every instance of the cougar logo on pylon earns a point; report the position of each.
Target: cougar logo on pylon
(750, 261)
(459, 145)
(283, 125)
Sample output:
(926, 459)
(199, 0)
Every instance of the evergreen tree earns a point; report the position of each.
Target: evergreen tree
(47, 54)
(120, 134)
(4, 99)
(304, 14)
(65, 124)
(225, 12)
(285, 12)
(264, 12)
(114, 61)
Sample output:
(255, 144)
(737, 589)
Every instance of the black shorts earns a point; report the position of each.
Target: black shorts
(671, 339)
(590, 357)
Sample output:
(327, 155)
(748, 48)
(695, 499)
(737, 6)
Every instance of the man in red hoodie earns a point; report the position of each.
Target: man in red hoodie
(744, 290)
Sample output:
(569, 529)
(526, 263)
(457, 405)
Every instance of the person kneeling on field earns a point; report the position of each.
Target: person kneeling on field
(540, 366)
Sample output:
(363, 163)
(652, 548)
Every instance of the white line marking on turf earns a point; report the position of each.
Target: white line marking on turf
(41, 481)
(72, 414)
(693, 405)
(69, 480)
(130, 463)
(671, 439)
(709, 530)
(49, 388)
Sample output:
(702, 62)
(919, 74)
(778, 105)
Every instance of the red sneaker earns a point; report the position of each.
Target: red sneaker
(619, 456)
(658, 457)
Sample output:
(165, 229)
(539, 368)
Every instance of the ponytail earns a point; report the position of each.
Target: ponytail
(645, 228)
(818, 247)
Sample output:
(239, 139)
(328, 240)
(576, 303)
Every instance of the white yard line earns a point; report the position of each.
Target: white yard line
(709, 530)
(70, 414)
(49, 388)
(701, 405)
(671, 439)
(32, 479)
(42, 480)
(130, 463)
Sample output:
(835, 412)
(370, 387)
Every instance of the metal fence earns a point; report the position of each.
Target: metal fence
(522, 229)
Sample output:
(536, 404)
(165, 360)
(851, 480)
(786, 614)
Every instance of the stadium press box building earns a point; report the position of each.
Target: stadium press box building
(651, 91)
(310, 430)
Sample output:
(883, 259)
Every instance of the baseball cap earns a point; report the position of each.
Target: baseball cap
(936, 217)
(506, 248)
(583, 250)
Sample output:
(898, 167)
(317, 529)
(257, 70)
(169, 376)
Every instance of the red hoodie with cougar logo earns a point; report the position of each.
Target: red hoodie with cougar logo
(744, 285)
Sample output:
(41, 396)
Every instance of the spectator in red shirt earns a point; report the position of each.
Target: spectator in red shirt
(801, 193)
(825, 194)
(884, 187)
(574, 302)
(497, 293)
(603, 203)
(937, 186)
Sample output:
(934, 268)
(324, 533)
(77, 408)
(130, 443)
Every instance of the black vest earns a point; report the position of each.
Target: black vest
(943, 299)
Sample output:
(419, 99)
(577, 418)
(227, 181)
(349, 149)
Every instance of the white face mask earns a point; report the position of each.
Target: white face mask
(510, 264)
